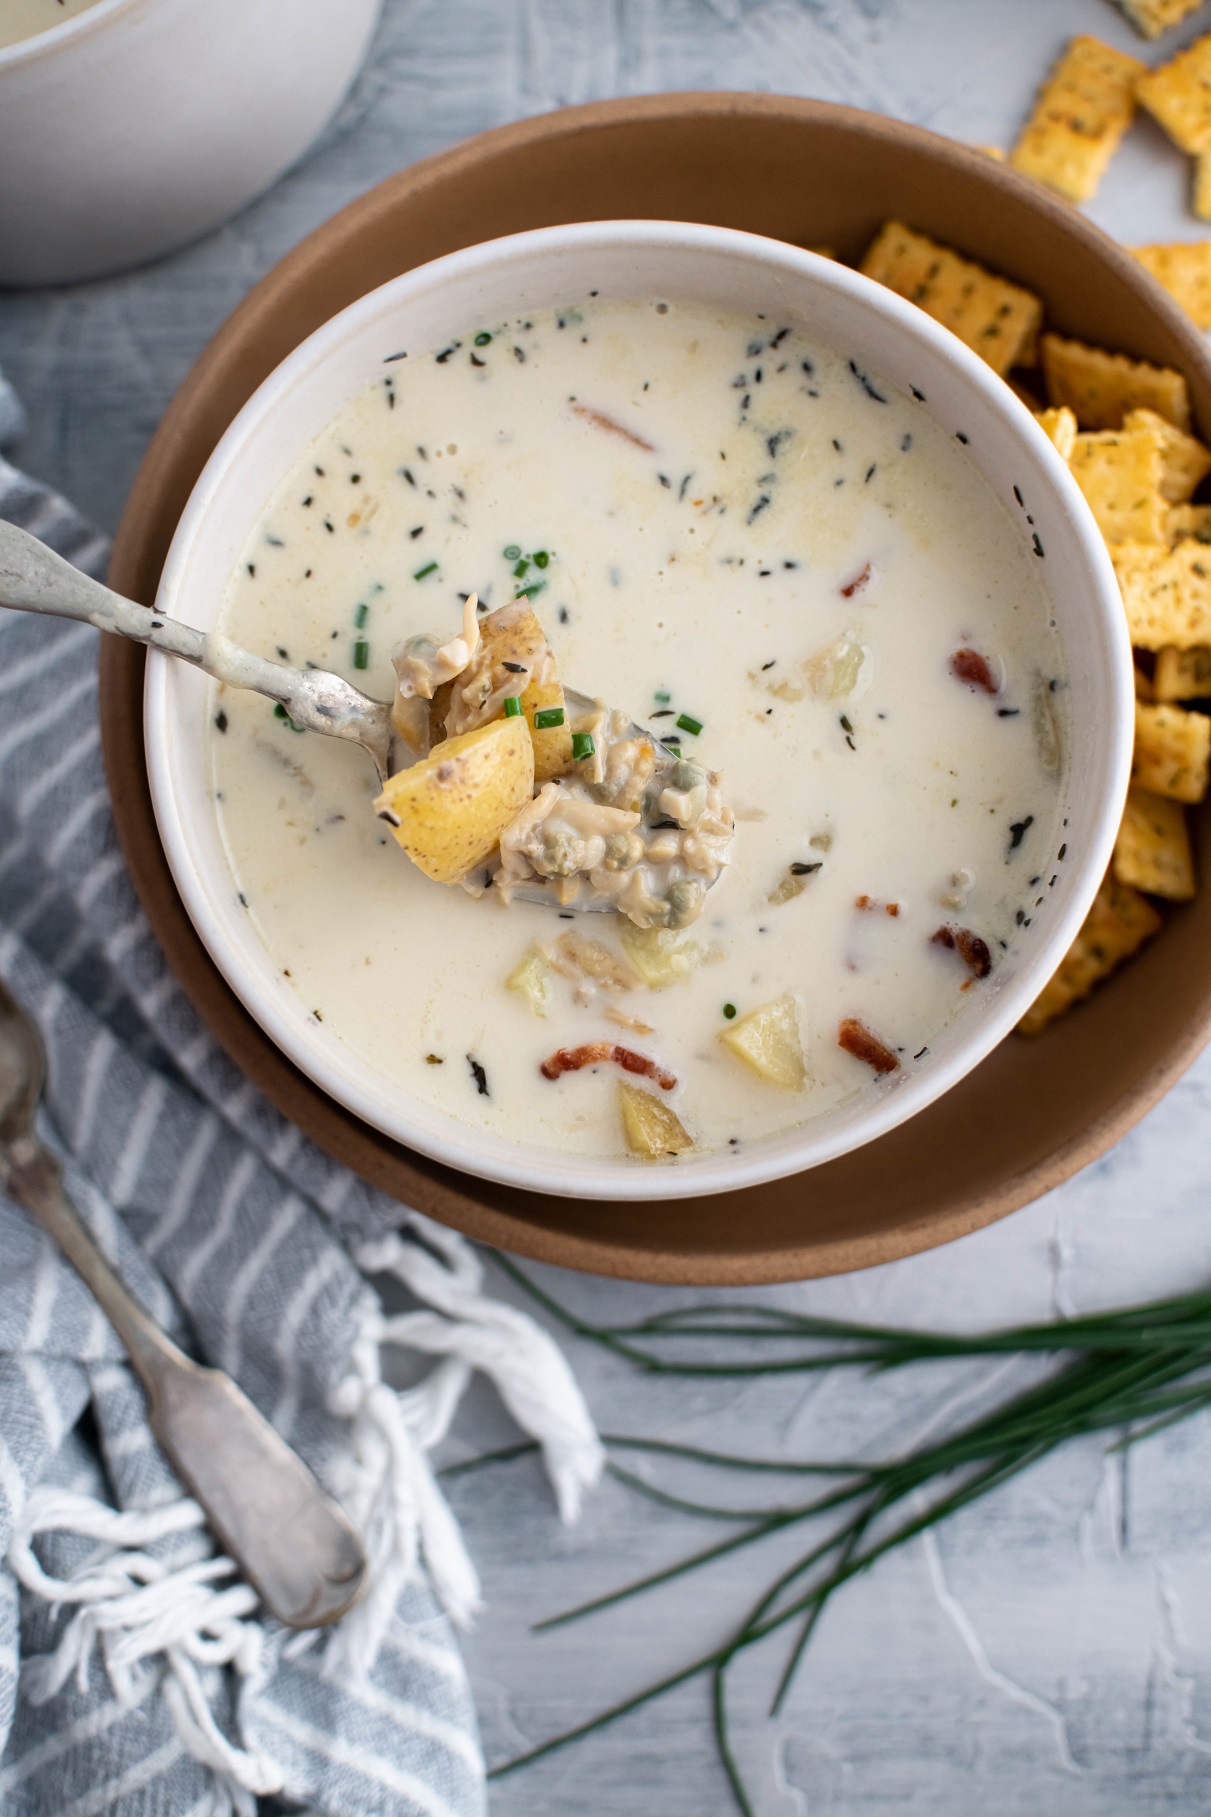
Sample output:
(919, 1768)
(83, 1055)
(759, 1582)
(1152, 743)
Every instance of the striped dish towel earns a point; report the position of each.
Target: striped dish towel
(136, 1672)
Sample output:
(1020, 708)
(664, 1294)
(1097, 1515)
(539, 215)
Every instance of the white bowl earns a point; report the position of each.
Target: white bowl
(624, 259)
(137, 125)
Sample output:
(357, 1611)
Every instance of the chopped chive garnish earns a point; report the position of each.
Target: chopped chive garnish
(535, 586)
(482, 338)
(582, 745)
(729, 1010)
(511, 552)
(279, 712)
(361, 615)
(541, 558)
(663, 696)
(689, 725)
(521, 567)
(512, 707)
(429, 568)
(361, 654)
(548, 717)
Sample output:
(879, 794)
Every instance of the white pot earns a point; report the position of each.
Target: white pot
(538, 270)
(140, 124)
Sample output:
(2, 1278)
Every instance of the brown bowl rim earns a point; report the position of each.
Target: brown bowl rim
(146, 526)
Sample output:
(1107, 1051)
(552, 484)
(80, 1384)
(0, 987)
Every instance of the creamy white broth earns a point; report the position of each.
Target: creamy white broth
(709, 566)
(21, 19)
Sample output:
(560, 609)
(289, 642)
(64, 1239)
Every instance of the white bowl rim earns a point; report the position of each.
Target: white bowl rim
(45, 43)
(574, 1175)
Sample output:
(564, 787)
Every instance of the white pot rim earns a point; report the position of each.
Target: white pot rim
(324, 1059)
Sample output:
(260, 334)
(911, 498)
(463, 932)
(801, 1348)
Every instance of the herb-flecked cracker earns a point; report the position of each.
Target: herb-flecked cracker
(1184, 269)
(1152, 850)
(1100, 388)
(1185, 521)
(1184, 460)
(1080, 114)
(1059, 426)
(1116, 926)
(1172, 751)
(1119, 472)
(1182, 674)
(1178, 95)
(1151, 17)
(1166, 593)
(1000, 321)
(1200, 195)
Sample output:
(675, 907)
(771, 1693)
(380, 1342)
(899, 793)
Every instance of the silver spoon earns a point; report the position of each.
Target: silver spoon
(290, 1540)
(34, 579)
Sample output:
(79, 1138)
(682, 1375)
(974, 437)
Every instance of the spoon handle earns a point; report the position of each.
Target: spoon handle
(34, 579)
(269, 1513)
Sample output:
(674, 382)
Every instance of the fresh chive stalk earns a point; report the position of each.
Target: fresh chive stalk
(361, 615)
(361, 654)
(547, 717)
(512, 707)
(429, 568)
(1136, 1371)
(582, 745)
(689, 724)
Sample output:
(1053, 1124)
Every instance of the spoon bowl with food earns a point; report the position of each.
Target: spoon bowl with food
(620, 822)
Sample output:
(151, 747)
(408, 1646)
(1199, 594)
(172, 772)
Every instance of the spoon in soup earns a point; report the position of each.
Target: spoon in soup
(34, 579)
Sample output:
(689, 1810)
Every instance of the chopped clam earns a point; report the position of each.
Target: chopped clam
(660, 955)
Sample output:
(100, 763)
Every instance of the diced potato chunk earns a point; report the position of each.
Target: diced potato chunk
(650, 1127)
(449, 811)
(660, 955)
(530, 978)
(767, 1039)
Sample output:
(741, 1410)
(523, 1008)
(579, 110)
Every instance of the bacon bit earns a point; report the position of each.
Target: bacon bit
(864, 902)
(856, 584)
(970, 948)
(597, 1053)
(857, 1039)
(868, 902)
(970, 667)
(600, 420)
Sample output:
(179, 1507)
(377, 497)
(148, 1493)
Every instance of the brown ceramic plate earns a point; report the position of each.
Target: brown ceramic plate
(817, 175)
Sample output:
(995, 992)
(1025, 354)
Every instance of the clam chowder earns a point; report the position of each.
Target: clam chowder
(715, 531)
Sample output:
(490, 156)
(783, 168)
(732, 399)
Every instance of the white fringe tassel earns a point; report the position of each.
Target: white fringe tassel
(137, 1606)
(386, 1480)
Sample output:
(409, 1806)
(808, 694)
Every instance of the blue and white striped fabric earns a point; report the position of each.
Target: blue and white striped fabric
(157, 1689)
